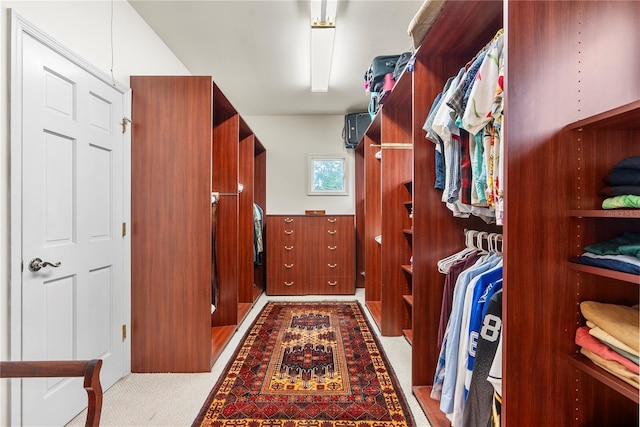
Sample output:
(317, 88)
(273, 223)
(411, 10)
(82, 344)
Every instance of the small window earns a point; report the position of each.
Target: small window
(327, 175)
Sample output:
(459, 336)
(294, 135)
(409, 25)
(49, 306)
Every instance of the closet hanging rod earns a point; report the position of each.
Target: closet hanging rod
(395, 145)
(215, 196)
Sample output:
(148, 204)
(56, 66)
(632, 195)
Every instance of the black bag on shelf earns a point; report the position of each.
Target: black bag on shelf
(403, 60)
(355, 124)
(380, 66)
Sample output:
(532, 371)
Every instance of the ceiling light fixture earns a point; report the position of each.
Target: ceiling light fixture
(323, 30)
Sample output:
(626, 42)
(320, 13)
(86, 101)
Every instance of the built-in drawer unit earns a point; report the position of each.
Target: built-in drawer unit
(310, 254)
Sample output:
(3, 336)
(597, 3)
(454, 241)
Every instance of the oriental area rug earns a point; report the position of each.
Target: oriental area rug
(315, 364)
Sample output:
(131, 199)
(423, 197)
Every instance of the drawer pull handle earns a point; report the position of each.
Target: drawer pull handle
(288, 283)
(288, 220)
(289, 265)
(331, 220)
(332, 265)
(288, 248)
(332, 248)
(332, 231)
(332, 283)
(288, 231)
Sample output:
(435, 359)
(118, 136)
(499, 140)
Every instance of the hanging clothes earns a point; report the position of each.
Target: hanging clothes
(465, 125)
(469, 323)
(258, 227)
(214, 264)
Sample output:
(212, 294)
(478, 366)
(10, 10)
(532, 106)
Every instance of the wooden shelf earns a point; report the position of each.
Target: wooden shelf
(408, 269)
(375, 309)
(585, 365)
(408, 334)
(408, 231)
(603, 213)
(220, 336)
(612, 274)
(430, 407)
(409, 186)
(408, 299)
(625, 117)
(243, 310)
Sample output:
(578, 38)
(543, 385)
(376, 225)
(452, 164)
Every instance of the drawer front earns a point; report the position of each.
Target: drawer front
(283, 252)
(285, 286)
(285, 277)
(285, 229)
(340, 285)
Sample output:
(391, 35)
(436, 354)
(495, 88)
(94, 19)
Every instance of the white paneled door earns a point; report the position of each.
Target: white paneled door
(72, 241)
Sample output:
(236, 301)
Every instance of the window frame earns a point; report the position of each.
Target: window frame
(311, 159)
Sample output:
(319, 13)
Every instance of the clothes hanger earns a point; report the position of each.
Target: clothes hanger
(482, 235)
(498, 242)
(491, 243)
(445, 263)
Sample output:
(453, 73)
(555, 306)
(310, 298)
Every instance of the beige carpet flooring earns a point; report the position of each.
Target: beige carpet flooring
(176, 399)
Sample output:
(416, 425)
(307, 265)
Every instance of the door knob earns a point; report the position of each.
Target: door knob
(36, 264)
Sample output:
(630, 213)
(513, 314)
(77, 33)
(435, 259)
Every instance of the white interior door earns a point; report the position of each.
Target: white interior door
(72, 213)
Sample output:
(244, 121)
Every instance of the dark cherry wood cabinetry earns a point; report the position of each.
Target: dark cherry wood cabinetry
(619, 130)
(190, 146)
(572, 111)
(310, 254)
(386, 159)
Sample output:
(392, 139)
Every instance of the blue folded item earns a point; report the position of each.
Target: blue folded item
(610, 264)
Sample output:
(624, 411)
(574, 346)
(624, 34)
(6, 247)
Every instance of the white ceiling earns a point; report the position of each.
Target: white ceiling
(258, 51)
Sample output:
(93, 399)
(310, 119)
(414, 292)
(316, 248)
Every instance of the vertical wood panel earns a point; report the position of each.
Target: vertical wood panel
(171, 228)
(224, 176)
(245, 221)
(372, 210)
(260, 197)
(360, 213)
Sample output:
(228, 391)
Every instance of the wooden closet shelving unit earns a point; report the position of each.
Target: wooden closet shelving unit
(436, 233)
(189, 142)
(360, 219)
(555, 161)
(619, 129)
(387, 168)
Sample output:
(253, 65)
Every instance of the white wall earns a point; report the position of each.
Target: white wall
(288, 140)
(85, 28)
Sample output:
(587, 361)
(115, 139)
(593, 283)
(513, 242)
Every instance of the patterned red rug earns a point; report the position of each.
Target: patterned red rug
(307, 365)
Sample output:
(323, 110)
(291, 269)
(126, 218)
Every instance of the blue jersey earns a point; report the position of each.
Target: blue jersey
(482, 293)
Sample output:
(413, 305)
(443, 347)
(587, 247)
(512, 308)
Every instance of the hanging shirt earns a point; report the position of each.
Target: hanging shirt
(481, 297)
(478, 407)
(495, 379)
(482, 96)
(447, 293)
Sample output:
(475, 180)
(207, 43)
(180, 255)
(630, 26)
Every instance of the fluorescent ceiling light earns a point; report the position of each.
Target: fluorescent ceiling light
(323, 19)
(321, 55)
